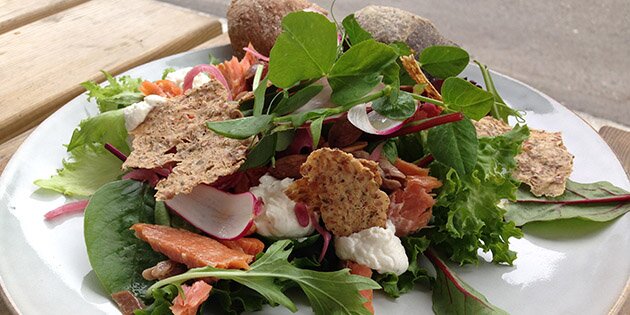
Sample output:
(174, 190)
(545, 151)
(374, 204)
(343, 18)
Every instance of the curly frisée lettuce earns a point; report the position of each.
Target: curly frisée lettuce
(89, 165)
(119, 93)
(467, 216)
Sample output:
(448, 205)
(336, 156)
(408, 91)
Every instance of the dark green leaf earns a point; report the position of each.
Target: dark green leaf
(161, 214)
(402, 49)
(297, 100)
(284, 139)
(444, 61)
(117, 256)
(354, 31)
(234, 298)
(460, 95)
(548, 208)
(162, 298)
(357, 71)
(262, 153)
(451, 295)
(410, 147)
(455, 145)
(316, 130)
(306, 49)
(400, 108)
(241, 128)
(390, 150)
(394, 285)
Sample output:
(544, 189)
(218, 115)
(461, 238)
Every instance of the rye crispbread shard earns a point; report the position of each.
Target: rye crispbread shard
(544, 164)
(344, 189)
(176, 132)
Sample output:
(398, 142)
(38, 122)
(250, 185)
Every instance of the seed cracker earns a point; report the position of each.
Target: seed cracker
(344, 189)
(176, 132)
(544, 164)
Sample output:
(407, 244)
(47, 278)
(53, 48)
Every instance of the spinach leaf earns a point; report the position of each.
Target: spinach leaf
(117, 256)
(358, 70)
(241, 128)
(262, 153)
(455, 145)
(267, 274)
(306, 49)
(460, 95)
(582, 201)
(297, 100)
(444, 61)
(400, 108)
(451, 295)
(354, 31)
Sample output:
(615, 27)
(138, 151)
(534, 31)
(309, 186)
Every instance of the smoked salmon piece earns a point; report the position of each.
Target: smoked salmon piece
(237, 72)
(247, 245)
(410, 169)
(365, 271)
(191, 249)
(194, 296)
(410, 208)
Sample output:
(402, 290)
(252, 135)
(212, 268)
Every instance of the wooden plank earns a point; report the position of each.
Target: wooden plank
(16, 13)
(220, 40)
(42, 63)
(619, 142)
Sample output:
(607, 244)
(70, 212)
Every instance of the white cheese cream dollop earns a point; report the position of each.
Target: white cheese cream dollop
(375, 247)
(200, 79)
(178, 76)
(277, 219)
(136, 113)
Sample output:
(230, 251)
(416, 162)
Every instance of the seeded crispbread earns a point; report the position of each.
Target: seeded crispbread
(176, 132)
(544, 164)
(344, 189)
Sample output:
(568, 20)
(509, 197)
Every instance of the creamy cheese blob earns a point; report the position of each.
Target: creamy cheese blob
(375, 247)
(277, 219)
(136, 113)
(200, 79)
(178, 76)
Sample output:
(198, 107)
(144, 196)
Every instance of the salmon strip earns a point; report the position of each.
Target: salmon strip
(237, 72)
(410, 208)
(247, 245)
(194, 296)
(191, 249)
(365, 271)
(150, 88)
(410, 169)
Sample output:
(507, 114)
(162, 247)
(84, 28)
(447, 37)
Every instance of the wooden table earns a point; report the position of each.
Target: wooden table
(48, 47)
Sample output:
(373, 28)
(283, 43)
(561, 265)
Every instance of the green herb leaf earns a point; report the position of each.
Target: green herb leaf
(259, 93)
(500, 110)
(262, 153)
(285, 138)
(162, 298)
(455, 145)
(213, 60)
(401, 108)
(451, 295)
(529, 208)
(316, 131)
(306, 49)
(297, 100)
(444, 61)
(120, 92)
(354, 31)
(117, 256)
(460, 95)
(390, 150)
(241, 128)
(265, 275)
(358, 70)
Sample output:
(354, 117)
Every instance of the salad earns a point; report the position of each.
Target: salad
(330, 167)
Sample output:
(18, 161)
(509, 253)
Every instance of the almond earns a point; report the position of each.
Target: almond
(288, 166)
(343, 133)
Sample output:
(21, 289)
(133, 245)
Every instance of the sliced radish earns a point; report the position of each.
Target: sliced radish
(212, 71)
(223, 215)
(372, 122)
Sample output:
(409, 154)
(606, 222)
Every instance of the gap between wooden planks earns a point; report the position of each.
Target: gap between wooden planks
(42, 63)
(15, 13)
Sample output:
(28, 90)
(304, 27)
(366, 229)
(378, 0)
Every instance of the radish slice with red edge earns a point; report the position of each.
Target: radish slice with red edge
(69, 208)
(223, 215)
(212, 71)
(372, 122)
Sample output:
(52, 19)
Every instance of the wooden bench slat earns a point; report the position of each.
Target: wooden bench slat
(619, 142)
(16, 13)
(41, 69)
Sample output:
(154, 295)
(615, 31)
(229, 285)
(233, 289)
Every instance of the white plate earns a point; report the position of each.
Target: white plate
(569, 267)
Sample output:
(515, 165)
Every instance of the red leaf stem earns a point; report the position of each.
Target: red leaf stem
(115, 152)
(428, 123)
(621, 198)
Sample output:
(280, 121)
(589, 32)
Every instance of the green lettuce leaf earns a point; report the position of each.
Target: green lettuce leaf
(466, 214)
(120, 92)
(395, 286)
(108, 127)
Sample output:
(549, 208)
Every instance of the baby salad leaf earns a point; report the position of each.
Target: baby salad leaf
(241, 128)
(354, 31)
(316, 130)
(260, 87)
(108, 127)
(262, 153)
(395, 286)
(297, 100)
(451, 295)
(466, 214)
(328, 292)
(444, 61)
(116, 255)
(306, 49)
(455, 145)
(120, 92)
(460, 95)
(358, 70)
(399, 108)
(582, 201)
